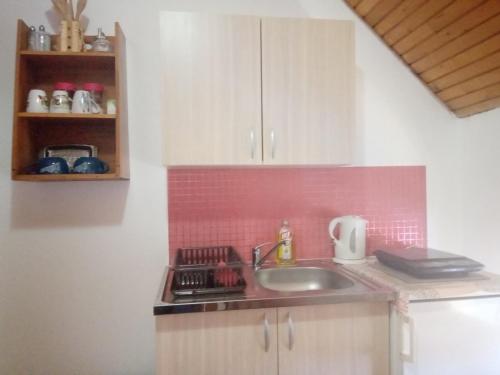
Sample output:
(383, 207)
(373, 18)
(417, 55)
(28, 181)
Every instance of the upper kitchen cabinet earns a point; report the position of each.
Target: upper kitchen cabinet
(308, 91)
(212, 89)
(240, 90)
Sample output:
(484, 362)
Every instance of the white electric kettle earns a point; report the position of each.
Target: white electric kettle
(351, 245)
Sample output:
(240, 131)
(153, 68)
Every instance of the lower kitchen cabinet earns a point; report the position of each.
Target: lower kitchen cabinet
(346, 338)
(239, 342)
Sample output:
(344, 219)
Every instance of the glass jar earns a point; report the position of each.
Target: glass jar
(101, 44)
(32, 36)
(67, 86)
(42, 40)
(60, 102)
(96, 93)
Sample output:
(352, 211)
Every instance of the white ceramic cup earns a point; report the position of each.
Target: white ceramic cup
(37, 101)
(60, 102)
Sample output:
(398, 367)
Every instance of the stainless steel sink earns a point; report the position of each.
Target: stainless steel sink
(299, 279)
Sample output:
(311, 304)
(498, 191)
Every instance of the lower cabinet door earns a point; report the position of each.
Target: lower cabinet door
(449, 337)
(345, 338)
(217, 343)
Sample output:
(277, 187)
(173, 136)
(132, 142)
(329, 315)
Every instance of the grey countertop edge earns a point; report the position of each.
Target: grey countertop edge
(372, 292)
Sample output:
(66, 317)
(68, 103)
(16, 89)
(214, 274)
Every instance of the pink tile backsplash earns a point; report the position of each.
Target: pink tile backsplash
(243, 207)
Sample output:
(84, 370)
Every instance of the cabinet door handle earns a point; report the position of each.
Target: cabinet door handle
(406, 345)
(291, 339)
(252, 144)
(272, 135)
(266, 333)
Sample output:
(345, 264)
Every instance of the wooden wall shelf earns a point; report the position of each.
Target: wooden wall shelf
(56, 116)
(83, 55)
(33, 131)
(68, 177)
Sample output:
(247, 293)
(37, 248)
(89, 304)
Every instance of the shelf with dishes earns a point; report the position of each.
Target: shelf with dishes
(65, 98)
(46, 143)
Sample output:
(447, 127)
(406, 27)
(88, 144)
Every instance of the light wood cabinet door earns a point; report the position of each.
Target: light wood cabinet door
(346, 338)
(217, 343)
(211, 99)
(308, 91)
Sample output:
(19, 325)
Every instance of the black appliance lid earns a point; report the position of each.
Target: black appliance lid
(425, 262)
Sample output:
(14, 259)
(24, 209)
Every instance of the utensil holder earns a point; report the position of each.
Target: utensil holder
(76, 36)
(64, 41)
(71, 37)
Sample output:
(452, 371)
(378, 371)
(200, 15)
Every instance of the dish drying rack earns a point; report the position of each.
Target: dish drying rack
(207, 270)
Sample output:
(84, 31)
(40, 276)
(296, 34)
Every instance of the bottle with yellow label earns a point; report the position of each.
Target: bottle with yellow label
(284, 253)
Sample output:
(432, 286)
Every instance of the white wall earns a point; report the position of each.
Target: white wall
(480, 181)
(80, 262)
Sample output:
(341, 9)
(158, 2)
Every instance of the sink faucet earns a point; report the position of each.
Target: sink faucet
(257, 260)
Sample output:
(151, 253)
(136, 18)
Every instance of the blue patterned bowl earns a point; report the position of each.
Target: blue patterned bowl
(87, 164)
(52, 165)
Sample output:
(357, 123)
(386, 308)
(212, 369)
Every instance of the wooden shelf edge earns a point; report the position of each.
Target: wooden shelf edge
(68, 177)
(68, 54)
(66, 116)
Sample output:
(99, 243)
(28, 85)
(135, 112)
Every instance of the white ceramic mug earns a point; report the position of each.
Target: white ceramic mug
(83, 103)
(37, 101)
(60, 102)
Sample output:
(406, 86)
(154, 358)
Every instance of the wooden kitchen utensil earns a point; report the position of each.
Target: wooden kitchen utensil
(70, 10)
(69, 16)
(59, 6)
(80, 6)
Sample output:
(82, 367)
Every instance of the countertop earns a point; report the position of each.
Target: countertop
(256, 296)
(409, 289)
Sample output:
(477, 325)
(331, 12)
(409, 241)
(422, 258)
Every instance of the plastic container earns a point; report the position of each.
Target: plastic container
(96, 92)
(285, 254)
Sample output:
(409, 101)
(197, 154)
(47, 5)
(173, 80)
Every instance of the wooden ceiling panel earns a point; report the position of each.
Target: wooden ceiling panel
(453, 46)
(473, 84)
(353, 3)
(462, 59)
(490, 92)
(365, 6)
(414, 20)
(380, 11)
(467, 72)
(468, 22)
(398, 14)
(478, 108)
(435, 24)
